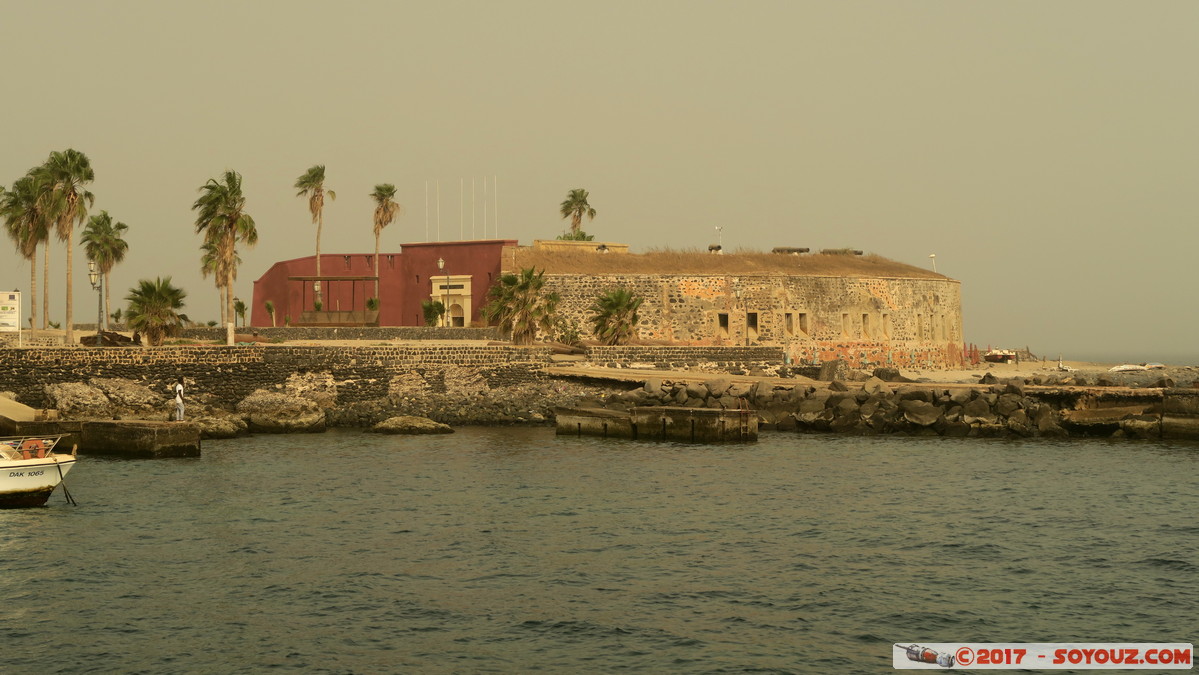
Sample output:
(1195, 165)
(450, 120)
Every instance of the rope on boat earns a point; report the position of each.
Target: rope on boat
(62, 480)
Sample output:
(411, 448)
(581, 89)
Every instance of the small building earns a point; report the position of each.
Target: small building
(406, 279)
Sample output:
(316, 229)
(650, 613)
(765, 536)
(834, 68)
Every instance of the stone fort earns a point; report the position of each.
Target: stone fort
(866, 310)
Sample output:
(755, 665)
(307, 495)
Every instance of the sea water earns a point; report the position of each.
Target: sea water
(503, 550)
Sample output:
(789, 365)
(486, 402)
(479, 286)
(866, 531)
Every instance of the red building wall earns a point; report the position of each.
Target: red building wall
(404, 281)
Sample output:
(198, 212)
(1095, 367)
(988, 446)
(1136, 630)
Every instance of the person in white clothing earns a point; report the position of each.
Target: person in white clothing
(179, 400)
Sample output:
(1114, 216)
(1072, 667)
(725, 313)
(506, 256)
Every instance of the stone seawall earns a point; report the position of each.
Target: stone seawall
(284, 333)
(223, 376)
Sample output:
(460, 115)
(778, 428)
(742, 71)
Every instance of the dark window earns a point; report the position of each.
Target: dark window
(722, 325)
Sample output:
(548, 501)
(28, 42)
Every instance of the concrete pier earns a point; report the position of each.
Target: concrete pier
(661, 423)
(150, 440)
(122, 438)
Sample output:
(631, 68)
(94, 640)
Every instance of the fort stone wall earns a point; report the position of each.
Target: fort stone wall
(900, 322)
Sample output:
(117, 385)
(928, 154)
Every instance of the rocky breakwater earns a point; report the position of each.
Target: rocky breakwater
(313, 401)
(1012, 408)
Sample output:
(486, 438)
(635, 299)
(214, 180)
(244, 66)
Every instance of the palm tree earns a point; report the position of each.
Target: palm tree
(64, 176)
(519, 303)
(614, 316)
(386, 210)
(270, 309)
(210, 264)
(25, 224)
(154, 309)
(222, 217)
(575, 207)
(104, 245)
(432, 310)
(312, 185)
(239, 308)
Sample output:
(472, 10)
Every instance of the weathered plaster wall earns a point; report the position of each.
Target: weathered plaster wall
(866, 321)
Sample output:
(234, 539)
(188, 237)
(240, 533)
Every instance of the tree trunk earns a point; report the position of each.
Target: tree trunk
(376, 265)
(46, 287)
(229, 300)
(70, 328)
(33, 290)
(107, 297)
(320, 221)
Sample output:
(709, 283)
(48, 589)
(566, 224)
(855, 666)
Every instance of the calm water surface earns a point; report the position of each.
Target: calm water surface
(511, 550)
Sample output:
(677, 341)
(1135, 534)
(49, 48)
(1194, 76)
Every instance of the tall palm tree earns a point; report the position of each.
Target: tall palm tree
(519, 303)
(64, 177)
(154, 309)
(614, 316)
(312, 185)
(575, 207)
(104, 245)
(386, 210)
(221, 216)
(25, 224)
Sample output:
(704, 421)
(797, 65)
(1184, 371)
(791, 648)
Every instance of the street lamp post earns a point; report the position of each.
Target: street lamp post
(445, 294)
(97, 282)
(933, 257)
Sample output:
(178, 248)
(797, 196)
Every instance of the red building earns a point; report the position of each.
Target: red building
(457, 273)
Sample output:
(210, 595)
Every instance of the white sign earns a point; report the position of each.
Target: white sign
(10, 311)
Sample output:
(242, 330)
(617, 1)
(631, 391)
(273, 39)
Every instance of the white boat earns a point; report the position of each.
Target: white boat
(30, 469)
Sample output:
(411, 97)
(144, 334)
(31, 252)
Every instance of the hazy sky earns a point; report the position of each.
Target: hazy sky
(1047, 152)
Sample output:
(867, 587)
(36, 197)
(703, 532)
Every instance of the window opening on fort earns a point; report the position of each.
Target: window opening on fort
(845, 324)
(751, 325)
(803, 323)
(789, 324)
(887, 325)
(722, 324)
(866, 331)
(919, 326)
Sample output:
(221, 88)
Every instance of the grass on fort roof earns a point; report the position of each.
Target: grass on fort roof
(830, 262)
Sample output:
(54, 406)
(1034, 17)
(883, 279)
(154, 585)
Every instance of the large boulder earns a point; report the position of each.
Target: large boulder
(718, 387)
(875, 385)
(78, 401)
(221, 427)
(921, 413)
(408, 424)
(887, 374)
(833, 370)
(978, 412)
(131, 400)
(275, 413)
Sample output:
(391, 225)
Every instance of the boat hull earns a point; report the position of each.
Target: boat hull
(30, 482)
